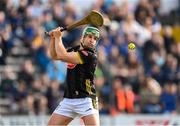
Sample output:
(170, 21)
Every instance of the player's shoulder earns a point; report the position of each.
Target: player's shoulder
(74, 48)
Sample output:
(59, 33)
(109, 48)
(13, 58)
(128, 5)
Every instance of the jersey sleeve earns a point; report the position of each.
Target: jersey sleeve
(85, 56)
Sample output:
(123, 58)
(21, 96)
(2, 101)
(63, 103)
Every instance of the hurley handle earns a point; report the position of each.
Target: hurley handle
(63, 29)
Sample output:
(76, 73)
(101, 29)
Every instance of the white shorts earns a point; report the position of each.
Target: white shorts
(77, 107)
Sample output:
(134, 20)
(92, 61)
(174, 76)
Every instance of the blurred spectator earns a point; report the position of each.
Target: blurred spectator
(40, 47)
(104, 64)
(106, 42)
(6, 30)
(122, 98)
(157, 73)
(130, 25)
(170, 69)
(113, 55)
(155, 5)
(168, 39)
(117, 107)
(100, 79)
(8, 84)
(45, 80)
(56, 70)
(103, 107)
(149, 96)
(168, 98)
(142, 11)
(153, 51)
(27, 73)
(130, 98)
(54, 95)
(134, 70)
(36, 100)
(35, 9)
(73, 35)
(49, 23)
(146, 30)
(21, 97)
(3, 23)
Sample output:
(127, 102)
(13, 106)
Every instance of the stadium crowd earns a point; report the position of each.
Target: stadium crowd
(144, 80)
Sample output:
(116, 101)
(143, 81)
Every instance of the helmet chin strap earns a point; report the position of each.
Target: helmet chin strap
(82, 45)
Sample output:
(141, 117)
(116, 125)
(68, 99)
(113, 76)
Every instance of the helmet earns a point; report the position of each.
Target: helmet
(91, 30)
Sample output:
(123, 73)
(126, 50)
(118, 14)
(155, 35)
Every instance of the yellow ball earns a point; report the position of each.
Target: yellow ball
(131, 46)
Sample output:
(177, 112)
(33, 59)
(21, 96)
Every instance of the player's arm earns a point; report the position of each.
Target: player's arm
(52, 51)
(62, 54)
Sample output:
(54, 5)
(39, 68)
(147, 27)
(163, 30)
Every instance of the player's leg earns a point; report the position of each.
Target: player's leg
(63, 114)
(91, 120)
(59, 120)
(88, 110)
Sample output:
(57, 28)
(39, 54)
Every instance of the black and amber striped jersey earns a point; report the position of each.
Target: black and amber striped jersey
(80, 77)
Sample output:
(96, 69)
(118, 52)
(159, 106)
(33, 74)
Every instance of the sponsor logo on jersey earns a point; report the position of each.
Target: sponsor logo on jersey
(71, 65)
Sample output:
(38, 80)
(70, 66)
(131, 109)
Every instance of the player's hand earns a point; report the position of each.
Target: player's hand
(57, 33)
(51, 34)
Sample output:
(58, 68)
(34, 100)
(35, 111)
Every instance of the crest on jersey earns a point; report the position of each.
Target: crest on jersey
(85, 53)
